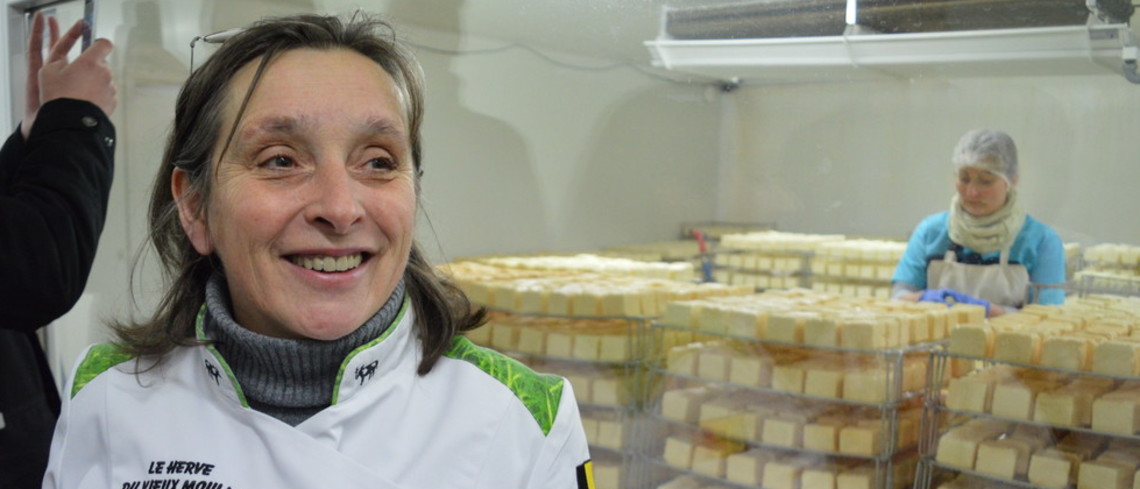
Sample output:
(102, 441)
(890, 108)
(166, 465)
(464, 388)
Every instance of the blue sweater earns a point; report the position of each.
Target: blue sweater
(1037, 247)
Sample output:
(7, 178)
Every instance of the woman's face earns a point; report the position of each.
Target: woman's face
(312, 211)
(981, 192)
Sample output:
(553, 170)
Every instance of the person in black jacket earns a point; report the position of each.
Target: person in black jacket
(55, 179)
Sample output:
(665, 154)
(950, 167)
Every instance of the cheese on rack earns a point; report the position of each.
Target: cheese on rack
(958, 447)
(789, 377)
(1107, 472)
(785, 430)
(1068, 352)
(1007, 458)
(1070, 405)
(784, 473)
(872, 334)
(1018, 346)
(863, 438)
(1117, 412)
(788, 326)
(1053, 469)
(1016, 398)
(974, 392)
(747, 467)
(751, 370)
(1120, 357)
(972, 339)
(823, 434)
(825, 379)
(685, 404)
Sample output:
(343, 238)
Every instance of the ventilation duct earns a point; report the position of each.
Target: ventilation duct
(798, 40)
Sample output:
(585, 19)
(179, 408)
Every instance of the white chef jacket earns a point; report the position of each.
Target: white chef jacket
(478, 420)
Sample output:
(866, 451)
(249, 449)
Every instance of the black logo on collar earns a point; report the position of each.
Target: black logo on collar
(365, 372)
(213, 371)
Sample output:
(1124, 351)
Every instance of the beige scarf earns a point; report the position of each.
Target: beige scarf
(987, 234)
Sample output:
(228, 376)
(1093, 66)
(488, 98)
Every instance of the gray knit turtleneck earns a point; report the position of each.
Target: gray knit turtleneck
(288, 379)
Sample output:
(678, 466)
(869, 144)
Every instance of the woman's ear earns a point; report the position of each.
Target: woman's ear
(190, 212)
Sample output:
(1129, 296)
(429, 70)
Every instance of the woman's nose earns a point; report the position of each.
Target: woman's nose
(335, 204)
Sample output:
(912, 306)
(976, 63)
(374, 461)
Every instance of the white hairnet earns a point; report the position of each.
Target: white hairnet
(987, 149)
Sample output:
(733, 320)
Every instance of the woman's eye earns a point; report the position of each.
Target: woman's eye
(386, 164)
(278, 161)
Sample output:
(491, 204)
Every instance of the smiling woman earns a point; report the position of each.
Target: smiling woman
(304, 340)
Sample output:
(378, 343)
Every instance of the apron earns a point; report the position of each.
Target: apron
(1000, 283)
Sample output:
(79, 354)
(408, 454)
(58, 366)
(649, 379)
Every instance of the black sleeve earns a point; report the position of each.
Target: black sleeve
(54, 189)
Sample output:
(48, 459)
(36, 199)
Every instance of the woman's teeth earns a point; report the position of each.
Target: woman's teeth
(329, 263)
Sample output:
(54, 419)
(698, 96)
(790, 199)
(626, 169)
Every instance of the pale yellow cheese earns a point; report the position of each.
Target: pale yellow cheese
(1117, 412)
(558, 302)
(745, 323)
(958, 447)
(865, 385)
(611, 433)
(1006, 458)
(586, 303)
(505, 337)
(968, 313)
(1016, 399)
(615, 348)
(747, 467)
(972, 339)
(480, 335)
(863, 438)
(789, 377)
(609, 391)
(862, 477)
(678, 452)
(871, 334)
(1068, 406)
(822, 476)
(788, 326)
(751, 370)
(785, 473)
(823, 434)
(1068, 352)
(1053, 469)
(1120, 357)
(784, 430)
(972, 393)
(534, 301)
(586, 347)
(712, 364)
(560, 344)
(1106, 473)
(684, 404)
(824, 380)
(739, 425)
(682, 313)
(822, 331)
(1018, 346)
(622, 303)
(532, 340)
(607, 474)
(709, 460)
(683, 359)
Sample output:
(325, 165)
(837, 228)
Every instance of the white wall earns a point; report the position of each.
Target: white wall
(873, 158)
(521, 154)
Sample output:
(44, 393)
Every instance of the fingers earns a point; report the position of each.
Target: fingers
(36, 44)
(98, 51)
(60, 48)
(53, 28)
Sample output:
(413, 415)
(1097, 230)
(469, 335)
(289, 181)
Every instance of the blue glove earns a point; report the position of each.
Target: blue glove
(934, 295)
(941, 295)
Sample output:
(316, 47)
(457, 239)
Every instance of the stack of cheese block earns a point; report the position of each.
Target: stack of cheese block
(767, 259)
(1062, 400)
(717, 459)
(1100, 334)
(782, 421)
(857, 378)
(594, 340)
(666, 251)
(592, 263)
(1111, 267)
(1031, 453)
(568, 293)
(856, 267)
(791, 388)
(811, 318)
